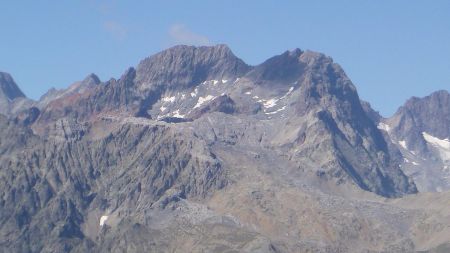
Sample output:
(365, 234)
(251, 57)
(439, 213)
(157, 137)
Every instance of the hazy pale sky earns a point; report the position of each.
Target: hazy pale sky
(391, 50)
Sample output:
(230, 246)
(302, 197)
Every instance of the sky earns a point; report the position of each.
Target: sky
(391, 50)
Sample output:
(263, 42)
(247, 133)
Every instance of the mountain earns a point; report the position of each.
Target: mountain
(11, 97)
(195, 151)
(8, 87)
(88, 83)
(421, 130)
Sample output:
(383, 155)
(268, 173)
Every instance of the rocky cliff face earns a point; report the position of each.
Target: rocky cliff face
(193, 150)
(421, 129)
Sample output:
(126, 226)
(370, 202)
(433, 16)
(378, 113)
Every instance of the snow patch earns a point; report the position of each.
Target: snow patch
(248, 93)
(169, 99)
(163, 108)
(177, 114)
(270, 103)
(224, 80)
(202, 100)
(414, 163)
(279, 110)
(384, 127)
(255, 97)
(194, 93)
(273, 101)
(287, 93)
(103, 220)
(403, 144)
(443, 146)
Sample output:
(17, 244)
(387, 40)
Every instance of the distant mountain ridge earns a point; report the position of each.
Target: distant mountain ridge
(194, 149)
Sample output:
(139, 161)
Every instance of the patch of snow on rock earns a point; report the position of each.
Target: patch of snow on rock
(162, 108)
(177, 114)
(287, 93)
(279, 110)
(270, 103)
(248, 93)
(194, 93)
(403, 144)
(224, 80)
(442, 145)
(103, 220)
(169, 99)
(384, 127)
(202, 100)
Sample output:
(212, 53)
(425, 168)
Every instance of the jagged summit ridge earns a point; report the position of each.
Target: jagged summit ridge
(185, 83)
(183, 66)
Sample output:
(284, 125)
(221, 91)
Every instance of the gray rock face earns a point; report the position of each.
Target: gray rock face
(195, 151)
(184, 66)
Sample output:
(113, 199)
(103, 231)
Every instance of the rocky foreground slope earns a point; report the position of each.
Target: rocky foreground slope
(195, 151)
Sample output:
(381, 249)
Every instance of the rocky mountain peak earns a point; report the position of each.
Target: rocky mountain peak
(185, 66)
(285, 67)
(429, 114)
(8, 88)
(91, 79)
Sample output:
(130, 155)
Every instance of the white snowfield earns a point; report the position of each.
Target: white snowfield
(273, 101)
(202, 100)
(279, 110)
(383, 126)
(103, 220)
(177, 114)
(194, 94)
(169, 99)
(403, 144)
(443, 146)
(287, 93)
(270, 103)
